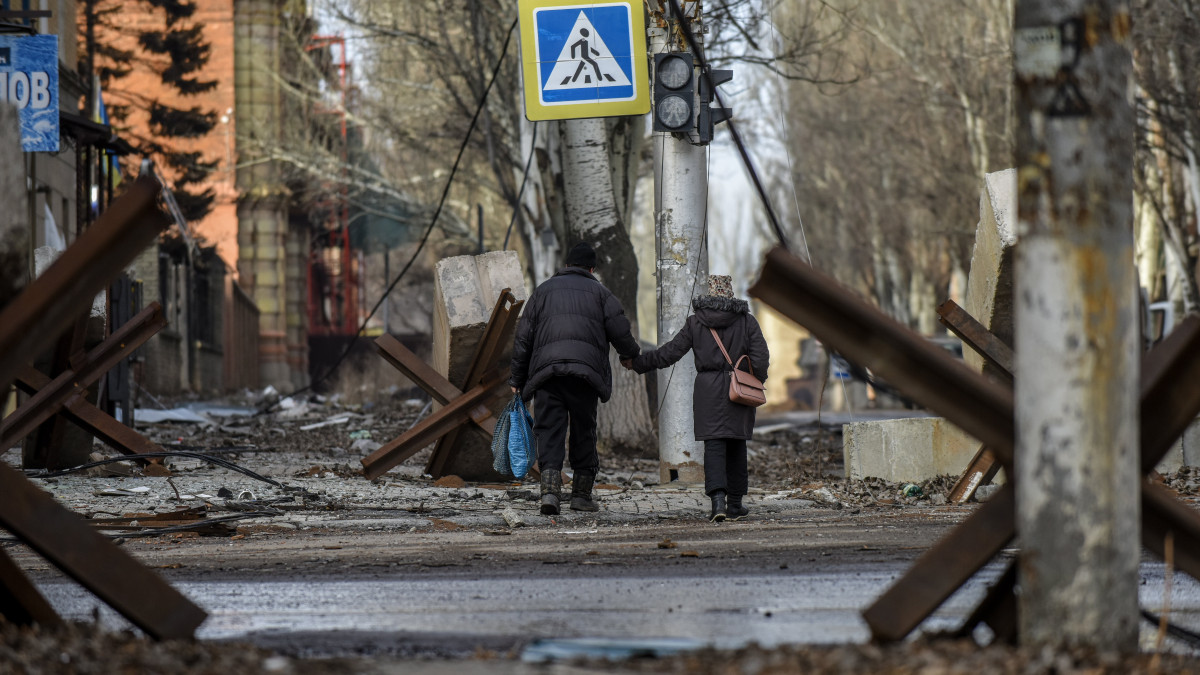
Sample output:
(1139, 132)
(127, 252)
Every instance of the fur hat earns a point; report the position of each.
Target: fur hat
(582, 255)
(720, 285)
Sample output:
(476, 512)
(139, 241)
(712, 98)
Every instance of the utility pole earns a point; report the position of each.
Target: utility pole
(1077, 329)
(680, 199)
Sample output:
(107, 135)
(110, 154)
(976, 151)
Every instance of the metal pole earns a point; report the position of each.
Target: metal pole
(387, 279)
(680, 198)
(1077, 329)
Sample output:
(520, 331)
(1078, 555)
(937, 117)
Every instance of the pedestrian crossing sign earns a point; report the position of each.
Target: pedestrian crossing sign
(583, 60)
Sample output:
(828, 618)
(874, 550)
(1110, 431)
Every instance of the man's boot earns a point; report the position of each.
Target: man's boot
(734, 509)
(551, 489)
(718, 506)
(581, 491)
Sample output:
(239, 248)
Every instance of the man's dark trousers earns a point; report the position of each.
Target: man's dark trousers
(558, 400)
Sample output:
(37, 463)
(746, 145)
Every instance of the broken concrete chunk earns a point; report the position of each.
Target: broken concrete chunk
(511, 517)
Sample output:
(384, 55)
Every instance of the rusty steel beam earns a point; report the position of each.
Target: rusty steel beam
(72, 383)
(1162, 512)
(941, 570)
(976, 336)
(67, 541)
(48, 305)
(1170, 398)
(428, 379)
(1168, 401)
(430, 429)
(868, 337)
(997, 610)
(20, 601)
(411, 366)
(496, 334)
(982, 468)
(87, 416)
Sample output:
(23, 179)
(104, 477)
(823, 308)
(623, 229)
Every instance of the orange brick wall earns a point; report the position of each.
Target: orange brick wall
(141, 86)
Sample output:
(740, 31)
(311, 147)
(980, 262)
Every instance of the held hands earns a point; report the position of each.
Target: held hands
(514, 389)
(627, 364)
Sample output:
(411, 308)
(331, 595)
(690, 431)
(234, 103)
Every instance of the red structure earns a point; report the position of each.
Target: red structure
(334, 281)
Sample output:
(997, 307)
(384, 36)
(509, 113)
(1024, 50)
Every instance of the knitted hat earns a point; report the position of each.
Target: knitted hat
(720, 285)
(582, 255)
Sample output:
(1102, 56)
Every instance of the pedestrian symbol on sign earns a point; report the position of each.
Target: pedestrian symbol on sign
(583, 56)
(582, 45)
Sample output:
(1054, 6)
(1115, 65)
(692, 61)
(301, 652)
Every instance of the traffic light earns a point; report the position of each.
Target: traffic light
(709, 116)
(674, 92)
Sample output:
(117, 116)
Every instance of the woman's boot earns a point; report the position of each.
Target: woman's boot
(718, 506)
(551, 489)
(581, 491)
(734, 508)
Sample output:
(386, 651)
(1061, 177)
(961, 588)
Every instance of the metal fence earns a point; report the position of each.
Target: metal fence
(241, 338)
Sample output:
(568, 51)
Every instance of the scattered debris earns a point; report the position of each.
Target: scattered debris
(511, 517)
(667, 543)
(450, 482)
(326, 423)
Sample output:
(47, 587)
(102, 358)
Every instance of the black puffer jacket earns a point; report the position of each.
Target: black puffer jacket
(565, 330)
(716, 416)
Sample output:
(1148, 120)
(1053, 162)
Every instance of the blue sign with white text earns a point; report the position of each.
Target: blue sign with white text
(29, 81)
(585, 53)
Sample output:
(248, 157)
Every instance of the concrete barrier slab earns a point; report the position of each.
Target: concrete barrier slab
(906, 450)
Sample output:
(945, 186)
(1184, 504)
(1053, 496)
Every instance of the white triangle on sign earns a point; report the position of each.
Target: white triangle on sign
(585, 61)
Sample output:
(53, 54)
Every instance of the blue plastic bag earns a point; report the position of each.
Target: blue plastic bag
(500, 459)
(521, 449)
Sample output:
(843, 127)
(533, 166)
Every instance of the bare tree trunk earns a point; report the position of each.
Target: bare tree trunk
(594, 214)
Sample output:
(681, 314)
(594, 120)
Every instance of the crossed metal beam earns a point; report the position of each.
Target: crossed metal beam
(41, 312)
(462, 405)
(65, 393)
(983, 408)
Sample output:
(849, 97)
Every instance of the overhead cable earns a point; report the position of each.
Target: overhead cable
(428, 230)
(737, 137)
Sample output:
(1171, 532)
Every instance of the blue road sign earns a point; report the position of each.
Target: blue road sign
(583, 60)
(29, 81)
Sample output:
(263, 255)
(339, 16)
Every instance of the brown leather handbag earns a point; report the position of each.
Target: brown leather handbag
(744, 388)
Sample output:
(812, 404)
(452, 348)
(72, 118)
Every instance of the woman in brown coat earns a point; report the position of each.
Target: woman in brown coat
(723, 426)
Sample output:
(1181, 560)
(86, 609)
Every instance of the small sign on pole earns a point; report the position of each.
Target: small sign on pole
(583, 60)
(29, 81)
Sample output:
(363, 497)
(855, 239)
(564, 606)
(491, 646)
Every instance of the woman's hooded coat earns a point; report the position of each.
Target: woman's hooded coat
(715, 415)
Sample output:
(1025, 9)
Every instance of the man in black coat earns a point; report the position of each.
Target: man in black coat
(560, 359)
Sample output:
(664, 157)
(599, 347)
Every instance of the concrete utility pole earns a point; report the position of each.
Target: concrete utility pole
(1077, 330)
(680, 198)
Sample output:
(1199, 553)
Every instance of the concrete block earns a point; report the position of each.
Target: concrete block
(466, 289)
(906, 450)
(990, 283)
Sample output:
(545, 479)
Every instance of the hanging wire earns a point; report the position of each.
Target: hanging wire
(733, 131)
(520, 192)
(428, 230)
(787, 140)
(41, 473)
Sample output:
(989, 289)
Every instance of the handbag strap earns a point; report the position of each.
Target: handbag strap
(727, 359)
(721, 345)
